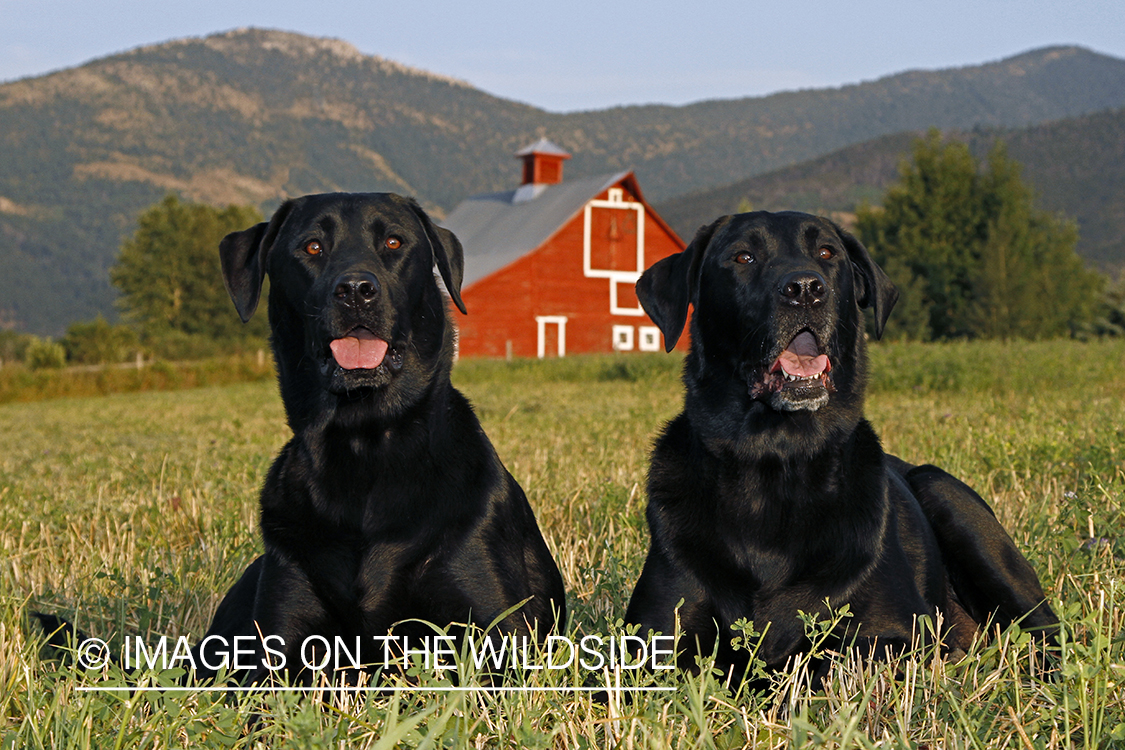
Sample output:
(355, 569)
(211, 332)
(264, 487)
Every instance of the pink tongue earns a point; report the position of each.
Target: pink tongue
(359, 351)
(800, 358)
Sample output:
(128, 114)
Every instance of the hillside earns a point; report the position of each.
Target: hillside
(254, 116)
(1076, 166)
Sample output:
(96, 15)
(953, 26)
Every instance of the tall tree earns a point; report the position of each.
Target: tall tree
(971, 253)
(169, 273)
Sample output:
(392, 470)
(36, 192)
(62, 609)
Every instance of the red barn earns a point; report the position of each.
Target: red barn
(550, 266)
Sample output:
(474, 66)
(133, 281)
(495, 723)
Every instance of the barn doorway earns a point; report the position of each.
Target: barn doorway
(559, 321)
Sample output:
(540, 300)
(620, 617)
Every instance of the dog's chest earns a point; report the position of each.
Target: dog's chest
(783, 525)
(370, 485)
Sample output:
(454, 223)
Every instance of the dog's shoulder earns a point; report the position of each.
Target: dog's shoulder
(678, 462)
(676, 438)
(464, 423)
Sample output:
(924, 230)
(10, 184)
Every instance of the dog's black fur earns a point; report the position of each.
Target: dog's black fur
(771, 493)
(389, 502)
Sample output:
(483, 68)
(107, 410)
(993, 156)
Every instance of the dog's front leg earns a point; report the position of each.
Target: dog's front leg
(290, 622)
(263, 627)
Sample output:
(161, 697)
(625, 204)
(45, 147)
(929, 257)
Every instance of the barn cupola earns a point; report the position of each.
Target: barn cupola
(542, 166)
(542, 163)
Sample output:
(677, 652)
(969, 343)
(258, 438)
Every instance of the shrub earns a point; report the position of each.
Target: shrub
(13, 345)
(44, 354)
(99, 342)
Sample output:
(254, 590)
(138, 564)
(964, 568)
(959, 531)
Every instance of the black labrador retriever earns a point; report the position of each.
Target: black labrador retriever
(389, 503)
(770, 493)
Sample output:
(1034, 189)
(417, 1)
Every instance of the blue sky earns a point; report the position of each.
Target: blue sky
(592, 55)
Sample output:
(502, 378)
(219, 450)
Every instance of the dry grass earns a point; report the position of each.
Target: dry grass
(134, 513)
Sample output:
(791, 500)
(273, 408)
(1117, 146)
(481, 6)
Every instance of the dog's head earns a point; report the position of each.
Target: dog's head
(776, 300)
(355, 311)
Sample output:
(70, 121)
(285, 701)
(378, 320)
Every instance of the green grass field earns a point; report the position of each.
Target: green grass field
(133, 514)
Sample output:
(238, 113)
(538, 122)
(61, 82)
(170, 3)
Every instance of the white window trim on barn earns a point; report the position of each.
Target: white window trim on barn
(542, 321)
(616, 200)
(649, 338)
(614, 308)
(623, 338)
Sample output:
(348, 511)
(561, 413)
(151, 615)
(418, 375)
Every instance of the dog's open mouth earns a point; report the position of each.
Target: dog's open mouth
(799, 378)
(359, 350)
(801, 361)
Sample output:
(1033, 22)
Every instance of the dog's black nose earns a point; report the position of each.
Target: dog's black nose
(357, 288)
(805, 288)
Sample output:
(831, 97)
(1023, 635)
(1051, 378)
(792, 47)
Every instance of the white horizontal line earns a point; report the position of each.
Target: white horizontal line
(290, 689)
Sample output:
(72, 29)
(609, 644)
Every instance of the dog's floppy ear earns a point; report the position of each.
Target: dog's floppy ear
(448, 255)
(874, 288)
(243, 257)
(667, 287)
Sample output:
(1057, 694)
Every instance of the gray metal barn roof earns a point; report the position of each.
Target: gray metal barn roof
(497, 229)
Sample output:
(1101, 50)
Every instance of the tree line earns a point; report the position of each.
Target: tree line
(172, 300)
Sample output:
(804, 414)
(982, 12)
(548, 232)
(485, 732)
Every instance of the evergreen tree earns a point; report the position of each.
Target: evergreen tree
(971, 253)
(169, 274)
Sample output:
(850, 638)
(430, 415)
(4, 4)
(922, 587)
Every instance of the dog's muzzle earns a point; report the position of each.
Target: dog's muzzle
(798, 379)
(359, 359)
(359, 350)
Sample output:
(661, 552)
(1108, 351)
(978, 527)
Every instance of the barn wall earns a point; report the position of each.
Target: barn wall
(549, 281)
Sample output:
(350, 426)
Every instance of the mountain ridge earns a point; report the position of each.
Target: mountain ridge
(253, 116)
(1075, 166)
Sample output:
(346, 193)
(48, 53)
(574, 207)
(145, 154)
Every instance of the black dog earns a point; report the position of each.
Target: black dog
(770, 493)
(389, 502)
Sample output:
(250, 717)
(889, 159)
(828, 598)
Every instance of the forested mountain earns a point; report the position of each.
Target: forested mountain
(254, 115)
(1076, 166)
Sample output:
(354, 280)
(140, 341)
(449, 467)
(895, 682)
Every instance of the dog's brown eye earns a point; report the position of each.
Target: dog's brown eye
(744, 258)
(314, 248)
(826, 252)
(394, 243)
